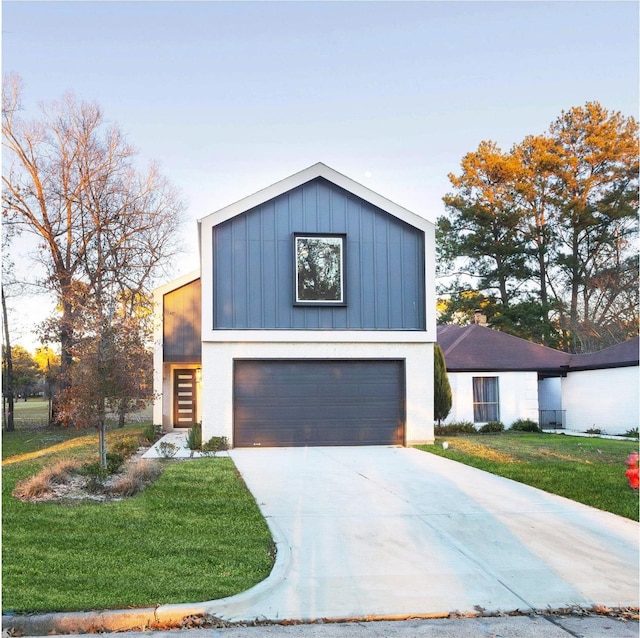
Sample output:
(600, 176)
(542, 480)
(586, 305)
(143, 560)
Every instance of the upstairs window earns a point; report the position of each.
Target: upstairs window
(486, 402)
(319, 269)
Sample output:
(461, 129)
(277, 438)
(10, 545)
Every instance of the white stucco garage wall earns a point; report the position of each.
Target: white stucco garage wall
(604, 399)
(217, 376)
(518, 395)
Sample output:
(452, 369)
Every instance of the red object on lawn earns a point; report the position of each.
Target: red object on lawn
(632, 470)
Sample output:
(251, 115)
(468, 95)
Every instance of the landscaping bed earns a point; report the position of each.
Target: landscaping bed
(192, 534)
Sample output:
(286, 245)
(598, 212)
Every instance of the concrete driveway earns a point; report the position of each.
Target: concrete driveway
(387, 531)
(393, 532)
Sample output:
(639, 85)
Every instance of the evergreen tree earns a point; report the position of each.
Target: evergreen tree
(442, 396)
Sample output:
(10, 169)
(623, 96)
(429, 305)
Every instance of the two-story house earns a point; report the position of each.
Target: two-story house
(310, 322)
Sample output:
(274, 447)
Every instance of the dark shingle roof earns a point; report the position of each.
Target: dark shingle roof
(482, 349)
(622, 354)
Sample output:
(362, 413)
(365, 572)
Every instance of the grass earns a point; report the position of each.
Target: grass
(196, 534)
(587, 470)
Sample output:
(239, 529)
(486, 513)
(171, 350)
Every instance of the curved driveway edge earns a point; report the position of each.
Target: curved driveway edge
(127, 619)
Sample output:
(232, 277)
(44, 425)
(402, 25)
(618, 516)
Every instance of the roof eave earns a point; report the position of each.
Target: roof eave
(307, 175)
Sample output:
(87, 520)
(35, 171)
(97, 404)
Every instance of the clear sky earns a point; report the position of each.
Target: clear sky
(230, 97)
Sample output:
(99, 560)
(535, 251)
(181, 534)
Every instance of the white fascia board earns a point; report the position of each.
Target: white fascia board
(318, 336)
(308, 174)
(174, 284)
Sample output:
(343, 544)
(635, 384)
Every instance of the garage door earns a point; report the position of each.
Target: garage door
(310, 402)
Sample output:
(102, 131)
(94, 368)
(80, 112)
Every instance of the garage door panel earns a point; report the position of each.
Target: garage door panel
(296, 436)
(330, 402)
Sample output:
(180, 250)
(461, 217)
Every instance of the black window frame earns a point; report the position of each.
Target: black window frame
(297, 301)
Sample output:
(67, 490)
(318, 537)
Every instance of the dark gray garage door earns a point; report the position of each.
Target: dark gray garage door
(312, 402)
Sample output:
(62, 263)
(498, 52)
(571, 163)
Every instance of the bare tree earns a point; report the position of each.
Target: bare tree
(104, 227)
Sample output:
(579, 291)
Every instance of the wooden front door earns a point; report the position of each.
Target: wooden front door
(184, 398)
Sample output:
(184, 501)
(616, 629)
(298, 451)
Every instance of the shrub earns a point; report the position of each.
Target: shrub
(525, 425)
(194, 438)
(167, 450)
(93, 469)
(125, 447)
(137, 477)
(114, 462)
(593, 431)
(151, 432)
(632, 434)
(215, 444)
(492, 427)
(457, 427)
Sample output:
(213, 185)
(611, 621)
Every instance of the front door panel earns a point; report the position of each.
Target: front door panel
(184, 398)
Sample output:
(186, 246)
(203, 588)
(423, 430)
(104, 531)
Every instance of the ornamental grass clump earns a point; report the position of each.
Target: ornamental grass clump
(42, 483)
(136, 478)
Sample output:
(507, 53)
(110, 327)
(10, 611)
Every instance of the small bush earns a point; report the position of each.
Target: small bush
(594, 431)
(194, 438)
(137, 477)
(114, 462)
(215, 444)
(492, 427)
(632, 434)
(525, 425)
(152, 433)
(457, 427)
(93, 469)
(167, 450)
(125, 447)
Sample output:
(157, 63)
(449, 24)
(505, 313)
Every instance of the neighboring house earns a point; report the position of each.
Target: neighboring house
(601, 389)
(495, 376)
(310, 322)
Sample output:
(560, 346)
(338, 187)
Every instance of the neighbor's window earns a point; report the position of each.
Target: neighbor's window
(319, 269)
(485, 399)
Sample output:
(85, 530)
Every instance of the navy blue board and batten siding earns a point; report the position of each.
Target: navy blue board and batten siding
(253, 265)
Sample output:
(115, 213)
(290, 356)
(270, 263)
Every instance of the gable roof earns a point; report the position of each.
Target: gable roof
(477, 348)
(298, 179)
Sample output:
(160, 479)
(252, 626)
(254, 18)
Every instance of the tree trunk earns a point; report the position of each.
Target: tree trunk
(102, 433)
(10, 426)
(575, 289)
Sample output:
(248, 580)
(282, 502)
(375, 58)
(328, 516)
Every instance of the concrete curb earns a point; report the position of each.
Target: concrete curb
(128, 619)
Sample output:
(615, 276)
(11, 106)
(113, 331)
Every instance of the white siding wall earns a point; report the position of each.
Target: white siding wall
(518, 395)
(604, 399)
(217, 377)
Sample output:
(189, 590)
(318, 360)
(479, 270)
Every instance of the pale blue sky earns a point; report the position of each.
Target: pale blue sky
(233, 96)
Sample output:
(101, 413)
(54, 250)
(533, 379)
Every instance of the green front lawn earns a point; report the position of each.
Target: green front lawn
(587, 470)
(196, 534)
